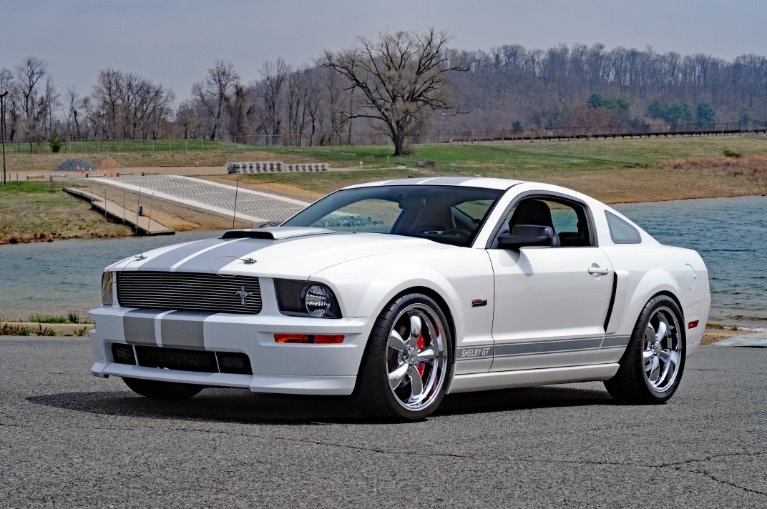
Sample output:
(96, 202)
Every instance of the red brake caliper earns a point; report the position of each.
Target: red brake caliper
(421, 346)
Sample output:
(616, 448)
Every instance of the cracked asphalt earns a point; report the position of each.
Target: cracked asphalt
(70, 440)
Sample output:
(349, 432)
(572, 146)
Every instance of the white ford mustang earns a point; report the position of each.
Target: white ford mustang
(399, 292)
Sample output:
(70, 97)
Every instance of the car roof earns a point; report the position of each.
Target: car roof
(486, 183)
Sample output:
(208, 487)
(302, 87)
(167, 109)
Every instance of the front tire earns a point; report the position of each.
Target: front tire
(162, 390)
(408, 360)
(652, 366)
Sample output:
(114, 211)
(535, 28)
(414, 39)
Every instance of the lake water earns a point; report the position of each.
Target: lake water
(729, 233)
(731, 236)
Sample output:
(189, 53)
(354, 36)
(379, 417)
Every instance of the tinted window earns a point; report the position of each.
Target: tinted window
(566, 218)
(451, 215)
(620, 231)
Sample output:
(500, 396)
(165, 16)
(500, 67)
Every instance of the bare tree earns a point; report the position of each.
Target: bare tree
(37, 101)
(188, 120)
(274, 75)
(401, 76)
(107, 93)
(8, 85)
(73, 114)
(298, 102)
(239, 107)
(335, 88)
(214, 92)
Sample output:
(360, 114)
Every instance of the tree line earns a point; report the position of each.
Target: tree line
(401, 84)
(584, 86)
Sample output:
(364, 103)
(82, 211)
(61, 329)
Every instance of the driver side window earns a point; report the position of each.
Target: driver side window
(567, 219)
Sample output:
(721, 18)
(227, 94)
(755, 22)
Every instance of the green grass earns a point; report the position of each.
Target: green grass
(40, 211)
(76, 147)
(487, 159)
(614, 170)
(8, 329)
(547, 155)
(32, 187)
(71, 317)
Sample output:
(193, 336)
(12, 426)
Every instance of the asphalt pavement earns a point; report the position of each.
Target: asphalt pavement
(70, 440)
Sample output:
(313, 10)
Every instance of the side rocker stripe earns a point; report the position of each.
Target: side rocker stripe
(551, 346)
(615, 341)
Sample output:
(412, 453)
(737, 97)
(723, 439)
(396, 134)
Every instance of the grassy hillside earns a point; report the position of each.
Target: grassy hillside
(612, 170)
(505, 157)
(41, 211)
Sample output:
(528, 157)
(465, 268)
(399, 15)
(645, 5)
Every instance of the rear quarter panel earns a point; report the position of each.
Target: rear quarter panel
(644, 271)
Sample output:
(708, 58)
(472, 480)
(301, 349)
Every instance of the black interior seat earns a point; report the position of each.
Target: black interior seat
(531, 212)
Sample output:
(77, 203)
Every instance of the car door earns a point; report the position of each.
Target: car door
(550, 302)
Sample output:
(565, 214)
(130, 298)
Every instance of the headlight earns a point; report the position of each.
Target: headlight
(306, 298)
(317, 300)
(106, 288)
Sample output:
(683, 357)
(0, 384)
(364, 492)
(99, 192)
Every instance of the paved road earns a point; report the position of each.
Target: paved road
(67, 439)
(213, 197)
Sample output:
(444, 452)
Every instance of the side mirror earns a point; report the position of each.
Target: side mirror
(527, 235)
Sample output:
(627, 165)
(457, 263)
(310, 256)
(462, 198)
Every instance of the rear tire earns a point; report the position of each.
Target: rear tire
(652, 366)
(408, 361)
(162, 390)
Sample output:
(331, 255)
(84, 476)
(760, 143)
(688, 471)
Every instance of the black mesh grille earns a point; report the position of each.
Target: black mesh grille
(189, 291)
(182, 359)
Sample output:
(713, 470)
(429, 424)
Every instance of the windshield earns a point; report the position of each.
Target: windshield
(451, 215)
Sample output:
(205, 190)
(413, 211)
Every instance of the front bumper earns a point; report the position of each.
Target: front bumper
(322, 369)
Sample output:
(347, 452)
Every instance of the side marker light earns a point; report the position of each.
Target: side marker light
(312, 339)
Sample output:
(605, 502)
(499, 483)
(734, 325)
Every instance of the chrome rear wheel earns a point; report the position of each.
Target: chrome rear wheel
(652, 365)
(662, 349)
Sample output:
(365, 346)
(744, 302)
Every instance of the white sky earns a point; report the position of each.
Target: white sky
(173, 42)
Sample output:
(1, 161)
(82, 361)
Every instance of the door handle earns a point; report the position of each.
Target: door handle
(596, 270)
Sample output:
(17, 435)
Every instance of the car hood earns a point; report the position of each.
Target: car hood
(274, 252)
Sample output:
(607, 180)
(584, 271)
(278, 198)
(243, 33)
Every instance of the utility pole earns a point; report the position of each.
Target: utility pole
(236, 191)
(2, 128)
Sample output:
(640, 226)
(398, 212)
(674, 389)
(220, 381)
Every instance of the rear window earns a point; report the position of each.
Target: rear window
(620, 231)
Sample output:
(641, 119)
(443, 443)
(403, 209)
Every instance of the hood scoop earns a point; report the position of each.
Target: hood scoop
(275, 233)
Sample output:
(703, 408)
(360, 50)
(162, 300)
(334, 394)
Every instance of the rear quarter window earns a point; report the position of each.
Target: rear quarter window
(620, 231)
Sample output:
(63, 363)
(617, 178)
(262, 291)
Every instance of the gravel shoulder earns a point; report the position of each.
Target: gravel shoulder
(68, 439)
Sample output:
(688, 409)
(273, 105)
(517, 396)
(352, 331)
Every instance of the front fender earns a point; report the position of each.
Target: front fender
(366, 286)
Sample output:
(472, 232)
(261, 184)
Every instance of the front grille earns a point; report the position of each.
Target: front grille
(182, 359)
(189, 291)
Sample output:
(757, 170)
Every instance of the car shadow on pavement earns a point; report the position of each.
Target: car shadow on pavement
(241, 406)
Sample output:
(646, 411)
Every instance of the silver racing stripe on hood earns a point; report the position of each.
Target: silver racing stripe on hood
(213, 260)
(172, 256)
(206, 256)
(181, 262)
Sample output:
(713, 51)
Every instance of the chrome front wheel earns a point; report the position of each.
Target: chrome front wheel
(408, 360)
(416, 359)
